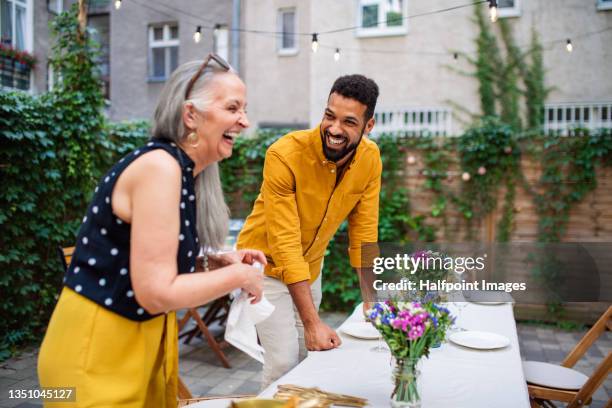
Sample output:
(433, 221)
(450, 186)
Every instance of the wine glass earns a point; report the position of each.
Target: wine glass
(380, 346)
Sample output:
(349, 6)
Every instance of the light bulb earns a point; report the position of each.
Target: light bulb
(493, 14)
(493, 10)
(337, 55)
(197, 36)
(315, 43)
(117, 4)
(569, 45)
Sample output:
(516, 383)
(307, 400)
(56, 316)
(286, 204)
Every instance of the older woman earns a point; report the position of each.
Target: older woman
(113, 333)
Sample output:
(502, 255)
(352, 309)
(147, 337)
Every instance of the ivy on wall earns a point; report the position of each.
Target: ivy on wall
(53, 148)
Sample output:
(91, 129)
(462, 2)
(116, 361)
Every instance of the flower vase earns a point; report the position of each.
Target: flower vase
(405, 379)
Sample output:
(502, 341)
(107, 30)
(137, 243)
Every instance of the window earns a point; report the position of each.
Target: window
(163, 51)
(55, 6)
(382, 17)
(221, 41)
(16, 24)
(604, 4)
(287, 44)
(508, 8)
(15, 35)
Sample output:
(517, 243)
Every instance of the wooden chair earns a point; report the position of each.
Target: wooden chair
(217, 311)
(541, 396)
(66, 257)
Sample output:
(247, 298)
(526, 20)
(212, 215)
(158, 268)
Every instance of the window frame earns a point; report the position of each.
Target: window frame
(166, 43)
(279, 24)
(28, 34)
(603, 5)
(380, 30)
(514, 11)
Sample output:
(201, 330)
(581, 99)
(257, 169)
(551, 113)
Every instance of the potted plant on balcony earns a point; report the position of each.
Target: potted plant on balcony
(15, 67)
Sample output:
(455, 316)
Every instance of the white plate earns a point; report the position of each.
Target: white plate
(487, 297)
(479, 340)
(361, 330)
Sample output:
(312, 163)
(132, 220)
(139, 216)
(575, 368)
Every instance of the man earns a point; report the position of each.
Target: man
(312, 181)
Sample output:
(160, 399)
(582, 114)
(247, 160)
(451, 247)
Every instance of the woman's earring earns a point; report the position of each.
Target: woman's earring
(193, 140)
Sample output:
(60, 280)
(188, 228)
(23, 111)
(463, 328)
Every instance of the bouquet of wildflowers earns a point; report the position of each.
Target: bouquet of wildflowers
(410, 329)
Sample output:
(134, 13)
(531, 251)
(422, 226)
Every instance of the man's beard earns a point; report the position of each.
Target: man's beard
(337, 155)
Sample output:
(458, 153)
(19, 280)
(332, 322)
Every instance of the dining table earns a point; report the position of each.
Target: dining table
(452, 376)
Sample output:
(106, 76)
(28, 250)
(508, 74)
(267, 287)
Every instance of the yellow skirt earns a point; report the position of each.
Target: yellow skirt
(110, 360)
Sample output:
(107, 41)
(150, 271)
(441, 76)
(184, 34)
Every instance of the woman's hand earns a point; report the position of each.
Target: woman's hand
(246, 256)
(252, 281)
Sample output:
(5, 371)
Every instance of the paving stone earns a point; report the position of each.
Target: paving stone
(226, 387)
(186, 365)
(241, 374)
(202, 370)
(600, 394)
(249, 387)
(199, 390)
(554, 355)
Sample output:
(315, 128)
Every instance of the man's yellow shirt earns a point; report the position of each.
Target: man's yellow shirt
(300, 207)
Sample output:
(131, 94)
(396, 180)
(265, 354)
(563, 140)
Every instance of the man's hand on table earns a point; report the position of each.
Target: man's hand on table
(318, 336)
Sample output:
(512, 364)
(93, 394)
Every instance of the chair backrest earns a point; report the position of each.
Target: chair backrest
(66, 255)
(603, 323)
(603, 369)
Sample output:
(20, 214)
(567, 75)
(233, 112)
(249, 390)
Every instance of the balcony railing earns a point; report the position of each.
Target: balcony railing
(14, 74)
(563, 118)
(434, 121)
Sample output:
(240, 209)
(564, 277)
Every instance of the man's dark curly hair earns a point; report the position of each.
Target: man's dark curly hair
(360, 88)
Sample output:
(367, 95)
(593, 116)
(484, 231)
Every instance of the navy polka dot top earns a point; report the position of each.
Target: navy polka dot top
(99, 269)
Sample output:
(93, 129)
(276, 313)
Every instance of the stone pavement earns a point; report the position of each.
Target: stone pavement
(204, 375)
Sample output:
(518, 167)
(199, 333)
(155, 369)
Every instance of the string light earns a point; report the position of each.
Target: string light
(493, 10)
(465, 176)
(216, 30)
(117, 4)
(315, 42)
(569, 46)
(337, 55)
(197, 36)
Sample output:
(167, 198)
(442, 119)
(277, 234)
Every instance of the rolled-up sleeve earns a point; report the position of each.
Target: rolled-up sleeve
(363, 219)
(282, 220)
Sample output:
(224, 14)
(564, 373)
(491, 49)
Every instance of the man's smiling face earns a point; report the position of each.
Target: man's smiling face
(343, 126)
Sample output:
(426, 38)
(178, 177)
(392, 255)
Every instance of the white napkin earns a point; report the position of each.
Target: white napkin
(243, 316)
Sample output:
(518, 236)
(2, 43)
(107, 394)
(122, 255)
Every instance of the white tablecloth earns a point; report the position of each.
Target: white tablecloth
(453, 376)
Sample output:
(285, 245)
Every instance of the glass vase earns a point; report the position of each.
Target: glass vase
(405, 384)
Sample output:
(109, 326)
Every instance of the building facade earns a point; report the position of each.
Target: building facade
(413, 59)
(141, 43)
(418, 58)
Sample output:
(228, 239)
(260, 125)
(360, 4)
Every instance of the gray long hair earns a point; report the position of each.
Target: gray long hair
(213, 213)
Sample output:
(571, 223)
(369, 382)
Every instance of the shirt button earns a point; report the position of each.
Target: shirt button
(325, 219)
(333, 170)
(317, 238)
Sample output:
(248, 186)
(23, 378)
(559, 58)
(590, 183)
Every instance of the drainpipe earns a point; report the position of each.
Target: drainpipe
(236, 35)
